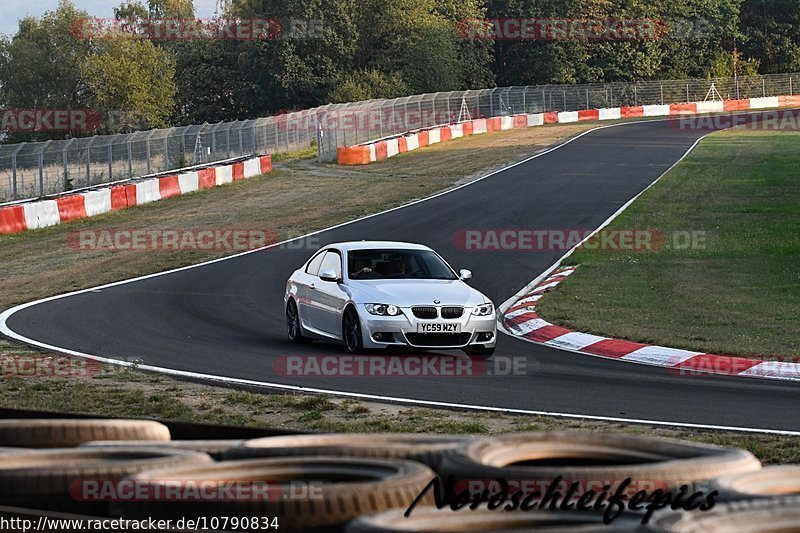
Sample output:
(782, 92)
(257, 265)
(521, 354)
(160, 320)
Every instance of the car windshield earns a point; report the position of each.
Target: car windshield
(397, 264)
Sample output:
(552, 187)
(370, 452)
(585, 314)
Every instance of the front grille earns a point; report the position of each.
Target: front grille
(424, 312)
(438, 339)
(452, 312)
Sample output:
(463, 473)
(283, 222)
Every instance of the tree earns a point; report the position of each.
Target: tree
(771, 34)
(133, 82)
(367, 85)
(172, 9)
(39, 66)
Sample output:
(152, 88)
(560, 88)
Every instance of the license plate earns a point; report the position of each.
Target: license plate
(439, 328)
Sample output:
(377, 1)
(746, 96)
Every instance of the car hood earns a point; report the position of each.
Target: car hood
(405, 292)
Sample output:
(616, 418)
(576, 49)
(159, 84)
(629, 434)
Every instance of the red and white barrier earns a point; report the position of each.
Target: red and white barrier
(97, 202)
(224, 175)
(363, 154)
(44, 213)
(609, 113)
(189, 182)
(567, 116)
(522, 320)
(764, 103)
(479, 126)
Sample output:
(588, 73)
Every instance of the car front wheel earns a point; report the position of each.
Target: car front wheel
(351, 331)
(293, 330)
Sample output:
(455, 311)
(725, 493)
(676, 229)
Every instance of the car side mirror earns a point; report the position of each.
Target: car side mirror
(464, 274)
(328, 275)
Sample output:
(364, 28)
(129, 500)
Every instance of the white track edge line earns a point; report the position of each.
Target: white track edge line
(5, 315)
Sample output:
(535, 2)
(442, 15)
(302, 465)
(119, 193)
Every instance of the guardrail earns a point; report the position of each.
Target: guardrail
(30, 170)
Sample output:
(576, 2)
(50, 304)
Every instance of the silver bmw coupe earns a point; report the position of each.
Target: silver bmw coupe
(375, 294)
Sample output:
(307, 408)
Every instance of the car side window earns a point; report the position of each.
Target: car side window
(332, 261)
(313, 265)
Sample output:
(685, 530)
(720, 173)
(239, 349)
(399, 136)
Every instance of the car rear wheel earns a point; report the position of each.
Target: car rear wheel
(351, 331)
(479, 352)
(293, 329)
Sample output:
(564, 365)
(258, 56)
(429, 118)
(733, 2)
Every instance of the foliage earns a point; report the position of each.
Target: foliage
(369, 84)
(39, 66)
(345, 50)
(132, 81)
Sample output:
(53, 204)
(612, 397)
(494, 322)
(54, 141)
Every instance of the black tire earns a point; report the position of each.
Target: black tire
(780, 513)
(214, 448)
(769, 482)
(64, 433)
(650, 463)
(293, 328)
(479, 352)
(430, 519)
(47, 478)
(427, 449)
(342, 487)
(351, 331)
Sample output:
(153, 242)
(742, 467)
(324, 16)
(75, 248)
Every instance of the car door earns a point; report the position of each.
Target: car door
(305, 280)
(328, 298)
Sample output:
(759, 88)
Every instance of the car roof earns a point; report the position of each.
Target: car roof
(377, 245)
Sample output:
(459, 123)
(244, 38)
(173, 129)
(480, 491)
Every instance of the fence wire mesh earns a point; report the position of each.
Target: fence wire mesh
(29, 170)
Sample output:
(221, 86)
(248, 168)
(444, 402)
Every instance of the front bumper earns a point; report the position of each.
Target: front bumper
(384, 331)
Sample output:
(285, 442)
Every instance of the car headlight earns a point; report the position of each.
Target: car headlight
(383, 309)
(483, 310)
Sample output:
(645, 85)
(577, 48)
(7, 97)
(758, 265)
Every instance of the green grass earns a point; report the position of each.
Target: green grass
(737, 293)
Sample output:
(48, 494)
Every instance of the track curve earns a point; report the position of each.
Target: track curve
(225, 318)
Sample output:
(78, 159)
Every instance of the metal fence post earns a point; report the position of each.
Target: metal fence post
(166, 151)
(661, 86)
(14, 185)
(130, 158)
(147, 153)
(763, 87)
(66, 162)
(41, 173)
(110, 161)
(791, 90)
(587, 98)
(241, 142)
(88, 166)
(14, 177)
(687, 92)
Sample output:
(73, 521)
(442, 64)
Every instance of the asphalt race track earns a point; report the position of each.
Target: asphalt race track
(227, 319)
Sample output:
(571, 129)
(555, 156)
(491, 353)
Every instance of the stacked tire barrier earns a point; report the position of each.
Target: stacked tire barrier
(521, 319)
(390, 482)
(49, 212)
(363, 154)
